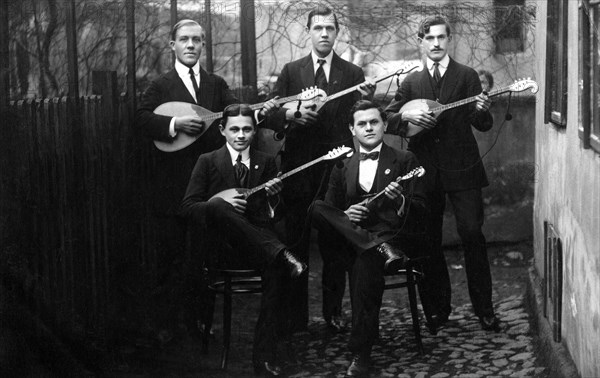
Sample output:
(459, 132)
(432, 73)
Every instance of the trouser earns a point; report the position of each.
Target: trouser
(354, 246)
(260, 248)
(468, 210)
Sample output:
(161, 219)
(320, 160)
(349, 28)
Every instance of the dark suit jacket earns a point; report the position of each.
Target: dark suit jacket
(307, 143)
(343, 183)
(214, 173)
(450, 147)
(173, 169)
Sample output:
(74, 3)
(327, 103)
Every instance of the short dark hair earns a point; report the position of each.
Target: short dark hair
(488, 76)
(180, 24)
(322, 10)
(366, 105)
(235, 110)
(428, 22)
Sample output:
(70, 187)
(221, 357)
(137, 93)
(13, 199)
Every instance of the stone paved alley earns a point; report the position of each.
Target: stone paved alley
(460, 349)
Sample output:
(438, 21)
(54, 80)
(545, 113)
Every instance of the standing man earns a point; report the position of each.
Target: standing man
(359, 233)
(310, 134)
(245, 223)
(186, 82)
(448, 151)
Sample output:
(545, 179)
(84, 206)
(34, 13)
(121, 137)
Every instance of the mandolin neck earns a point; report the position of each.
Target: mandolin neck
(468, 100)
(284, 176)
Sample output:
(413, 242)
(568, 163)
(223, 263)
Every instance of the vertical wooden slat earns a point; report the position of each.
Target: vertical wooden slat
(131, 69)
(4, 58)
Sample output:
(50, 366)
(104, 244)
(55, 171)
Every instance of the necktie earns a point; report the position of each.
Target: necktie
(436, 73)
(241, 172)
(320, 78)
(194, 83)
(371, 155)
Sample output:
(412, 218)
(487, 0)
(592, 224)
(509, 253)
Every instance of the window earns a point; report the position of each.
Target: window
(555, 109)
(509, 34)
(589, 73)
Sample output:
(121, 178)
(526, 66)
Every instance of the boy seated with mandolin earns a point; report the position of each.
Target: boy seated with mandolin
(216, 201)
(366, 207)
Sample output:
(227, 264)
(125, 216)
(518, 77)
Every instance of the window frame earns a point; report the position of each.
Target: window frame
(589, 75)
(505, 44)
(555, 108)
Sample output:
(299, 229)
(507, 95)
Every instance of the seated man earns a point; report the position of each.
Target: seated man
(244, 223)
(360, 231)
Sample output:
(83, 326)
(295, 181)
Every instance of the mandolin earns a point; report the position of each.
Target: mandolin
(371, 201)
(312, 97)
(435, 108)
(337, 153)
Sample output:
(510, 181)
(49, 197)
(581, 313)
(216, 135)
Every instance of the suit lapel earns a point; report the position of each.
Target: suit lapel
(386, 167)
(335, 81)
(178, 87)
(450, 82)
(352, 175)
(257, 167)
(223, 163)
(206, 89)
(307, 73)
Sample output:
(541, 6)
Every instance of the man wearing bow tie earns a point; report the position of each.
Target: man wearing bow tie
(356, 235)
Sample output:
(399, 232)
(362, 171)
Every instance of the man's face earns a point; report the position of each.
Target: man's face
(435, 43)
(188, 44)
(485, 84)
(239, 132)
(322, 34)
(368, 128)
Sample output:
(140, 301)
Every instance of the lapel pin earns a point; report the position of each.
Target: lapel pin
(387, 171)
(256, 166)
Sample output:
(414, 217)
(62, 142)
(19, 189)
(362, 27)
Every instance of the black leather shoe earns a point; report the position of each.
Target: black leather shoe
(359, 367)
(435, 322)
(266, 368)
(295, 267)
(394, 259)
(336, 324)
(490, 323)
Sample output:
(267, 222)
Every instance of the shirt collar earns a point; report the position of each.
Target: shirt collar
(378, 148)
(184, 71)
(443, 63)
(234, 154)
(315, 59)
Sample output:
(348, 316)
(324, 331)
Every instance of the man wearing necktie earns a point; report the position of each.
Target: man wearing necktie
(450, 155)
(308, 135)
(186, 82)
(243, 223)
(355, 235)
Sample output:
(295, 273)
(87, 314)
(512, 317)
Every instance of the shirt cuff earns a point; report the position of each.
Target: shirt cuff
(172, 131)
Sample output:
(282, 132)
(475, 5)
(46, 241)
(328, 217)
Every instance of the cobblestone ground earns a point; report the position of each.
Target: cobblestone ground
(460, 349)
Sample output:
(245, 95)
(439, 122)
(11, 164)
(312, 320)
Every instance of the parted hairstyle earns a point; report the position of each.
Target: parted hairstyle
(235, 110)
(488, 76)
(366, 105)
(182, 23)
(322, 10)
(428, 22)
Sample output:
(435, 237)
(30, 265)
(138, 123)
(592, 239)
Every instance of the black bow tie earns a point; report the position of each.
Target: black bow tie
(371, 155)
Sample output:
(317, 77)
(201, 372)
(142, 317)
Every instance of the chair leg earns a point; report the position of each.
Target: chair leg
(208, 320)
(412, 298)
(226, 322)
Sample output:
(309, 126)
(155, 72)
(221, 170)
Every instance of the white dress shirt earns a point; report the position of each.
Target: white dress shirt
(326, 65)
(234, 155)
(367, 169)
(184, 73)
(442, 67)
